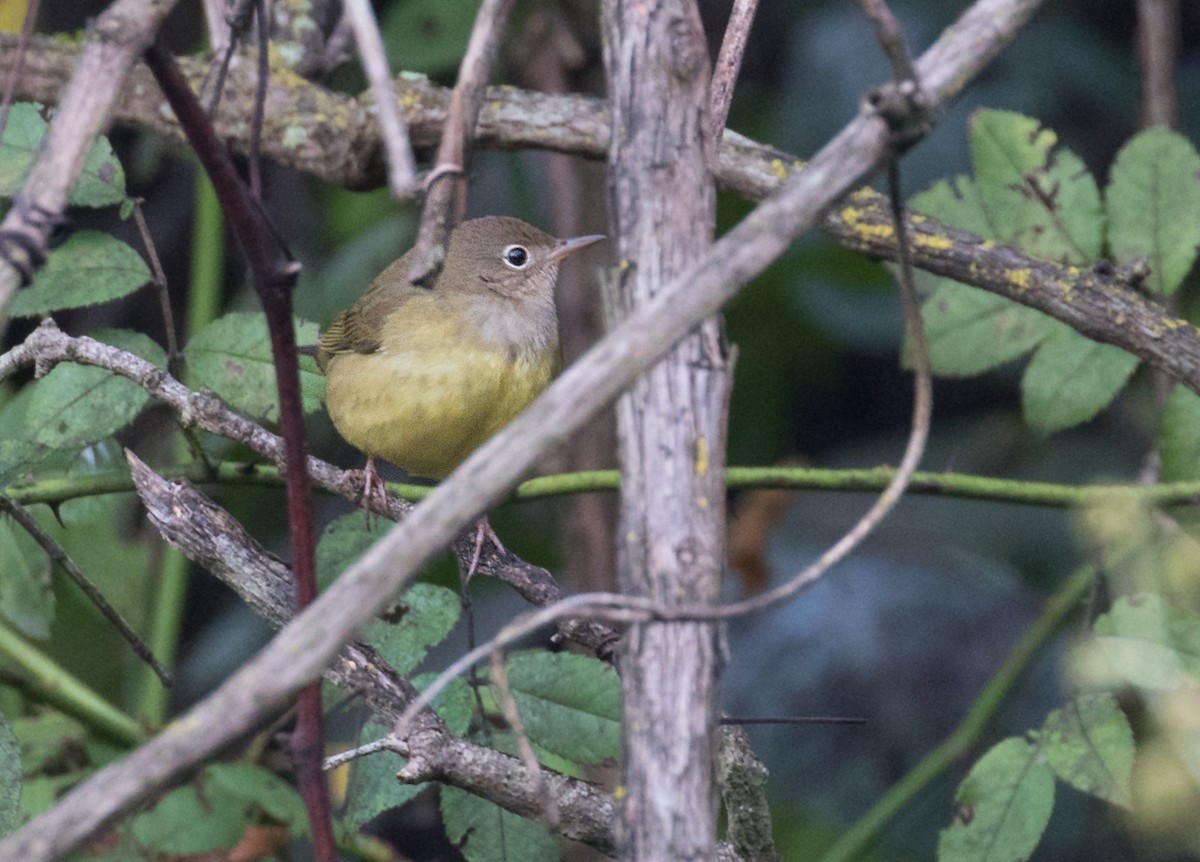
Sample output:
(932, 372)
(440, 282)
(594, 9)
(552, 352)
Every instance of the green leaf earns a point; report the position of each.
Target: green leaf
(75, 405)
(1004, 804)
(372, 787)
(422, 618)
(10, 779)
(213, 812)
(1089, 744)
(342, 542)
(956, 202)
(969, 330)
(1071, 378)
(1179, 436)
(1153, 200)
(1037, 197)
(101, 183)
(50, 741)
(570, 704)
(1144, 642)
(185, 821)
(232, 357)
(484, 832)
(26, 594)
(88, 269)
(259, 791)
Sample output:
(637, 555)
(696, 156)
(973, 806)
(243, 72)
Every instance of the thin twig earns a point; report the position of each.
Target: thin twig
(1158, 25)
(260, 99)
(160, 285)
(218, 25)
(729, 64)
(385, 743)
(234, 24)
(446, 198)
(402, 167)
(297, 654)
(512, 715)
(891, 39)
(56, 553)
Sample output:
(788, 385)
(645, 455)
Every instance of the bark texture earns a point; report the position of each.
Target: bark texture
(671, 428)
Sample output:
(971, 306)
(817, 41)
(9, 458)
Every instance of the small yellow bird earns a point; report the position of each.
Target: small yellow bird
(422, 376)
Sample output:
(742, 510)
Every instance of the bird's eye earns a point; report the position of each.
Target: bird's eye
(516, 256)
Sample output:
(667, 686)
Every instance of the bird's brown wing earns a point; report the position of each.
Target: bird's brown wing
(357, 329)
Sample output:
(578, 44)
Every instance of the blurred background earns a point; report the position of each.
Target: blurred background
(904, 634)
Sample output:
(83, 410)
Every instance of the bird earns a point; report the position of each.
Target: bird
(422, 376)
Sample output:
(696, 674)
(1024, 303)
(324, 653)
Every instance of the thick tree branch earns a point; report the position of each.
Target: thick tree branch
(48, 345)
(209, 535)
(303, 648)
(334, 137)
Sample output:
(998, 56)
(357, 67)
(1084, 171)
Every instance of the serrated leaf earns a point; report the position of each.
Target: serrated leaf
(101, 183)
(1004, 804)
(26, 594)
(88, 269)
(10, 779)
(232, 357)
(956, 202)
(970, 331)
(1153, 201)
(74, 405)
(1144, 642)
(570, 704)
(1071, 378)
(484, 832)
(372, 787)
(1179, 436)
(1089, 745)
(422, 618)
(1037, 196)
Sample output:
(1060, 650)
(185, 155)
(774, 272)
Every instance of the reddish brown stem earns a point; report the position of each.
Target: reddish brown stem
(274, 278)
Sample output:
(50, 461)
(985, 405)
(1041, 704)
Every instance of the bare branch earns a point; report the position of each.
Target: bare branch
(446, 199)
(114, 42)
(891, 38)
(210, 536)
(729, 63)
(402, 167)
(48, 345)
(303, 648)
(1158, 25)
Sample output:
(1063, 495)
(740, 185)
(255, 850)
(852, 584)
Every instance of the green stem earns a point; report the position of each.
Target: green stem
(960, 485)
(54, 684)
(962, 738)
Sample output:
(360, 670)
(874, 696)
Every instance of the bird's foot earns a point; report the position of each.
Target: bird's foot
(373, 497)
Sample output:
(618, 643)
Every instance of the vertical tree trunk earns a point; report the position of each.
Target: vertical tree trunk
(671, 428)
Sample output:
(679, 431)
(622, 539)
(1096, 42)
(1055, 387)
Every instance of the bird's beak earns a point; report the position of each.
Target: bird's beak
(565, 247)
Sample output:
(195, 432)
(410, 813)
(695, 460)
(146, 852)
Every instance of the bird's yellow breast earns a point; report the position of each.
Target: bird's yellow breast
(433, 392)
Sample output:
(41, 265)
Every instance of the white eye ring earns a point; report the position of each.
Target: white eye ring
(515, 257)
